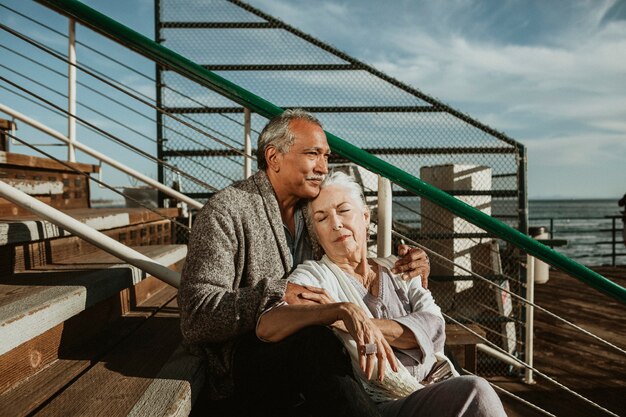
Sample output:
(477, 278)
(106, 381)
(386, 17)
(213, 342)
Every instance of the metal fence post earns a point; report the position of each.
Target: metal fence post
(71, 90)
(530, 318)
(614, 242)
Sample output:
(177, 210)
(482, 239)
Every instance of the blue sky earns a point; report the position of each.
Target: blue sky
(552, 75)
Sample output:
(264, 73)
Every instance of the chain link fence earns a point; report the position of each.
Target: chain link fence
(202, 133)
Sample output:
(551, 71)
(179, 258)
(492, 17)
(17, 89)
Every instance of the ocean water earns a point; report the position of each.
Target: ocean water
(583, 223)
(585, 226)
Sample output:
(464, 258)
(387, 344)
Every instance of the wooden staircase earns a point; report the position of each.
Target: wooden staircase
(82, 333)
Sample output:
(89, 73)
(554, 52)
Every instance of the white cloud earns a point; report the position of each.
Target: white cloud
(550, 74)
(579, 150)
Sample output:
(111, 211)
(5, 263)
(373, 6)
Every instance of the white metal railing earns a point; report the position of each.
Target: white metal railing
(92, 236)
(102, 157)
(530, 319)
(497, 352)
(71, 90)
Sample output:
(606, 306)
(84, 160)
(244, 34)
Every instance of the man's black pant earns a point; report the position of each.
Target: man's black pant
(306, 374)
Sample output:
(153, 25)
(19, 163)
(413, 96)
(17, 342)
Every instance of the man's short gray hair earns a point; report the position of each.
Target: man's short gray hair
(277, 133)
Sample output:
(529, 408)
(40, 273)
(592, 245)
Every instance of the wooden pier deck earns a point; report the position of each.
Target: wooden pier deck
(579, 362)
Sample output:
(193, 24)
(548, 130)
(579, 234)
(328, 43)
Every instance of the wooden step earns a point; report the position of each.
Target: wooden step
(30, 243)
(29, 228)
(63, 186)
(34, 302)
(149, 374)
(81, 342)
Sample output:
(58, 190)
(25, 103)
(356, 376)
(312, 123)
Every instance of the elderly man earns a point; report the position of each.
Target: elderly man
(244, 243)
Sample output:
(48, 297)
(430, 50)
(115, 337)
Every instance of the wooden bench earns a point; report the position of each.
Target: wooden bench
(132, 366)
(462, 343)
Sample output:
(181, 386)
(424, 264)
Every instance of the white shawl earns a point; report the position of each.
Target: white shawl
(327, 275)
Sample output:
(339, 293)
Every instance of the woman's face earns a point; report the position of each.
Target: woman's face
(340, 223)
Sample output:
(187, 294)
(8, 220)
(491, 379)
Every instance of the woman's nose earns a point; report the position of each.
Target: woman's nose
(336, 222)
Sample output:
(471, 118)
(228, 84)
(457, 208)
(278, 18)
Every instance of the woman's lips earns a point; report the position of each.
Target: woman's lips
(342, 238)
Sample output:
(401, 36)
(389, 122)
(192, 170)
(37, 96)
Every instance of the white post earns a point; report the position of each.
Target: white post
(383, 241)
(530, 317)
(71, 91)
(92, 236)
(247, 163)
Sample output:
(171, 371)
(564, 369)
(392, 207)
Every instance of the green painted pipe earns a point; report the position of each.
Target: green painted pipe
(173, 61)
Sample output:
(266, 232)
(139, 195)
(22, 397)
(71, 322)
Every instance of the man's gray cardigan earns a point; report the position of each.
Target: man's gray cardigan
(237, 261)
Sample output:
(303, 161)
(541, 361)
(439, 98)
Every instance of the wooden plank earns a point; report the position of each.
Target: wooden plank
(26, 228)
(584, 365)
(43, 253)
(73, 192)
(24, 399)
(85, 338)
(145, 290)
(35, 187)
(35, 302)
(175, 389)
(125, 373)
(19, 160)
(462, 344)
(458, 335)
(29, 358)
(134, 214)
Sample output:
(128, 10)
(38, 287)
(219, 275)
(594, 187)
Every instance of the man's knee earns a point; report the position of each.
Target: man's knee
(470, 385)
(480, 394)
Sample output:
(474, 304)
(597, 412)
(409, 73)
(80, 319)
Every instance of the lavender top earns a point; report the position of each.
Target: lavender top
(407, 303)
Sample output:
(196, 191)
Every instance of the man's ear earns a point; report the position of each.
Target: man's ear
(272, 157)
(367, 215)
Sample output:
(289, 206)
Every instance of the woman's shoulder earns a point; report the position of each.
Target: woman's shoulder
(387, 262)
(407, 285)
(310, 271)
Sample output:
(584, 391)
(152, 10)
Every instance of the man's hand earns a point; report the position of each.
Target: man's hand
(298, 294)
(412, 262)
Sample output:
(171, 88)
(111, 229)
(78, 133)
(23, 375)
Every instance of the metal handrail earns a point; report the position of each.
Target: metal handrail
(100, 156)
(92, 236)
(173, 61)
(170, 59)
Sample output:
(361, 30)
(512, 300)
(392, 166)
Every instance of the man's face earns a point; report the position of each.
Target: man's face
(302, 169)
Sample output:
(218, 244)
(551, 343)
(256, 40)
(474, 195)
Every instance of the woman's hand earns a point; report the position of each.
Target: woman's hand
(366, 333)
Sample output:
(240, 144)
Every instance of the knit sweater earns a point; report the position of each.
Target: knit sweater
(236, 267)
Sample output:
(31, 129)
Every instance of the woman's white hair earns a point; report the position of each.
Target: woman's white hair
(354, 190)
(338, 178)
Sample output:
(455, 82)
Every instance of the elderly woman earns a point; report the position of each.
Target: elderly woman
(392, 329)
